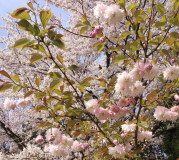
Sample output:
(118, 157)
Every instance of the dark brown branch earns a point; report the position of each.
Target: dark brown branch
(14, 136)
(78, 97)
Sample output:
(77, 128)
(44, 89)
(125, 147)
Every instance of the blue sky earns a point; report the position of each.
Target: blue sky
(10, 5)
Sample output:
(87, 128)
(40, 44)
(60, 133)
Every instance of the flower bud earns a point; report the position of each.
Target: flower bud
(98, 29)
(39, 139)
(93, 34)
(176, 97)
(172, 60)
(51, 139)
(102, 39)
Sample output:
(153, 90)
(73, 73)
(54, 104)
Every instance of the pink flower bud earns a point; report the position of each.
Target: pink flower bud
(172, 60)
(132, 101)
(176, 97)
(85, 145)
(102, 39)
(148, 67)
(51, 138)
(93, 34)
(116, 142)
(123, 135)
(39, 139)
(98, 29)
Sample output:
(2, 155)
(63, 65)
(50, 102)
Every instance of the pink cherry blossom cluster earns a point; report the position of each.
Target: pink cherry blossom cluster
(97, 30)
(93, 107)
(114, 111)
(129, 84)
(12, 104)
(60, 144)
(77, 146)
(146, 70)
(128, 127)
(120, 150)
(142, 135)
(164, 114)
(111, 14)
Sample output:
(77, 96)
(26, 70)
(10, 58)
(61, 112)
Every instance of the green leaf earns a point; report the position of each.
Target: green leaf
(56, 39)
(55, 75)
(140, 16)
(55, 83)
(73, 67)
(134, 46)
(86, 81)
(26, 26)
(59, 43)
(5, 86)
(118, 48)
(100, 47)
(79, 25)
(45, 16)
(175, 20)
(4, 73)
(160, 9)
(28, 94)
(102, 82)
(29, 44)
(44, 124)
(60, 59)
(121, 3)
(21, 43)
(53, 35)
(176, 5)
(35, 58)
(83, 29)
(39, 47)
(162, 22)
(21, 13)
(118, 58)
(15, 78)
(36, 30)
(40, 108)
(16, 87)
(132, 6)
(85, 21)
(124, 35)
(174, 35)
(37, 81)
